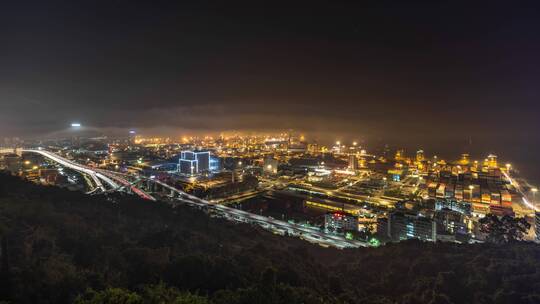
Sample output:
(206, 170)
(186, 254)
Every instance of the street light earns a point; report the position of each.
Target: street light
(76, 127)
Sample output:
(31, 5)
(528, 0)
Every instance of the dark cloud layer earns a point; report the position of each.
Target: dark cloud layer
(426, 72)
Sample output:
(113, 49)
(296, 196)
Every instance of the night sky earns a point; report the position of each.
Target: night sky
(411, 73)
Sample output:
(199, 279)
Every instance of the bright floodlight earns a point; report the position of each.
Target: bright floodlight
(76, 125)
(132, 132)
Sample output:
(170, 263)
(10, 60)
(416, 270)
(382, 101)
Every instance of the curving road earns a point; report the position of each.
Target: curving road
(309, 234)
(96, 177)
(124, 182)
(114, 180)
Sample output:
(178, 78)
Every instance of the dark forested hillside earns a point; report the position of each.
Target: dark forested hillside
(61, 247)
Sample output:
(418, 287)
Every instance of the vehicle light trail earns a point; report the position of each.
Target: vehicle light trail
(113, 180)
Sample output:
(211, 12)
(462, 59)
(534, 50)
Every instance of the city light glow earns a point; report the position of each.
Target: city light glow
(193, 152)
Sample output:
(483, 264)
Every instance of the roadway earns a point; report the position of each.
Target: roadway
(125, 183)
(386, 201)
(97, 175)
(76, 167)
(113, 179)
(238, 197)
(517, 186)
(309, 234)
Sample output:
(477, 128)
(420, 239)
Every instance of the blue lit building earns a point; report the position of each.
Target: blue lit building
(188, 167)
(203, 161)
(215, 164)
(194, 162)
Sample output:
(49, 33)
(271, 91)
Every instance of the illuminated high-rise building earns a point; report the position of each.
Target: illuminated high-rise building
(340, 221)
(191, 162)
(187, 155)
(464, 160)
(353, 162)
(203, 161)
(420, 155)
(270, 165)
(475, 166)
(400, 154)
(131, 137)
(492, 161)
(313, 148)
(362, 163)
(485, 165)
(188, 166)
(215, 164)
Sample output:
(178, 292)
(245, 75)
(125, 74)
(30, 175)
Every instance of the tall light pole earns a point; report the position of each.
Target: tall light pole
(75, 126)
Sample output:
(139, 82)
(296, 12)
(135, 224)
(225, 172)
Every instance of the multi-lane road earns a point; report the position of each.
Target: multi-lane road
(96, 177)
(519, 189)
(309, 234)
(125, 183)
(106, 181)
(115, 181)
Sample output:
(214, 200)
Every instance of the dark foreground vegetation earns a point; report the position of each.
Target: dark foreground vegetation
(65, 247)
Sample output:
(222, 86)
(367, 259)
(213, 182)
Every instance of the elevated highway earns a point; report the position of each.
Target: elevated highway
(96, 177)
(118, 182)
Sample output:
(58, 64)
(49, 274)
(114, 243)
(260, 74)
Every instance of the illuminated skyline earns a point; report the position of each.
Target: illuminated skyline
(396, 73)
(321, 151)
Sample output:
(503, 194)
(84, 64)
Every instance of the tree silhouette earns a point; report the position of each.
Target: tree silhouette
(501, 230)
(5, 273)
(65, 246)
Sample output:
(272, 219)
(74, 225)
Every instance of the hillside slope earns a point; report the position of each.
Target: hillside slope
(61, 244)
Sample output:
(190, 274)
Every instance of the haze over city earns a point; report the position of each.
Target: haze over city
(213, 152)
(431, 74)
